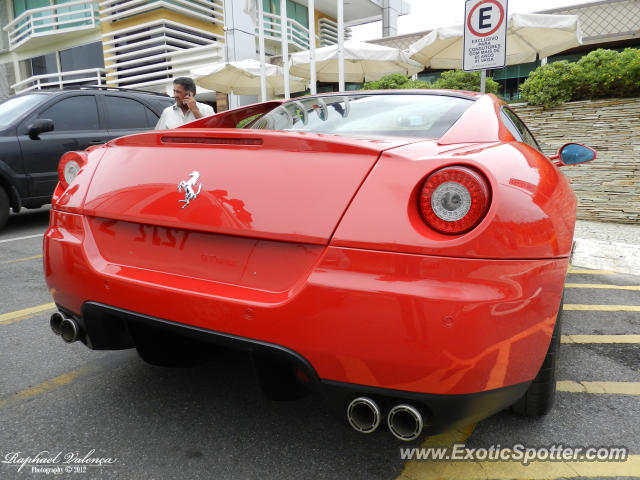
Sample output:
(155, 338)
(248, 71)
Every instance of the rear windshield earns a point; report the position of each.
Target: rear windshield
(16, 106)
(407, 115)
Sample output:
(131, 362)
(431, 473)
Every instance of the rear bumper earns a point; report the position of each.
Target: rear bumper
(368, 319)
(105, 326)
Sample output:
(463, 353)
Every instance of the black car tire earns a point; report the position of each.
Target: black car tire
(162, 349)
(4, 207)
(540, 396)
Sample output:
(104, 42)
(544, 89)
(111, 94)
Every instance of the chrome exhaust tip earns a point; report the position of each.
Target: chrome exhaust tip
(405, 422)
(363, 415)
(69, 330)
(55, 321)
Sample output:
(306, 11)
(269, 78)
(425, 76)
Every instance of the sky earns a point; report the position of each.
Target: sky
(428, 14)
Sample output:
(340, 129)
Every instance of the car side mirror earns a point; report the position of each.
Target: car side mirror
(39, 126)
(574, 154)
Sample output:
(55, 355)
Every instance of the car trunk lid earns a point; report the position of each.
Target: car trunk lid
(280, 186)
(253, 210)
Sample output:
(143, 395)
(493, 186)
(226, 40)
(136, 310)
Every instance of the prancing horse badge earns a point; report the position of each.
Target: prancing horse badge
(188, 186)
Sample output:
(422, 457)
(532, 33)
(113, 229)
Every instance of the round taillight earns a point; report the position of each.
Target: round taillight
(69, 166)
(453, 200)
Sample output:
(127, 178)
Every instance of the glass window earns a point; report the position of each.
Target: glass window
(20, 6)
(74, 113)
(124, 113)
(43, 65)
(152, 118)
(82, 57)
(66, 14)
(427, 116)
(298, 12)
(522, 133)
(16, 106)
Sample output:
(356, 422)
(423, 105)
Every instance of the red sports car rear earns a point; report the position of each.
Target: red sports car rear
(402, 253)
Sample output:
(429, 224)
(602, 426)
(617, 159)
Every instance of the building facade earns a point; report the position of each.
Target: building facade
(144, 43)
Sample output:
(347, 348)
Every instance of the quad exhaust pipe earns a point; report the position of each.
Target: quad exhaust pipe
(363, 415)
(67, 328)
(404, 421)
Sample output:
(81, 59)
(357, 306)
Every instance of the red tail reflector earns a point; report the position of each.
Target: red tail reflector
(455, 199)
(69, 166)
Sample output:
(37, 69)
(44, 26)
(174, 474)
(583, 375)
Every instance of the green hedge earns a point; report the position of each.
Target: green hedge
(452, 79)
(600, 74)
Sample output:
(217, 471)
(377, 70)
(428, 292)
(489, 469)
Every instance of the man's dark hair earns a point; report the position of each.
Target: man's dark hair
(187, 83)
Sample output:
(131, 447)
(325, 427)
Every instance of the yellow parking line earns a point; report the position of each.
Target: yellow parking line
(590, 272)
(20, 259)
(413, 469)
(600, 339)
(13, 317)
(538, 470)
(604, 287)
(44, 387)
(602, 308)
(596, 388)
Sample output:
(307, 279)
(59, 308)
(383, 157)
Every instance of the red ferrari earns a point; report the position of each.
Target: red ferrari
(403, 253)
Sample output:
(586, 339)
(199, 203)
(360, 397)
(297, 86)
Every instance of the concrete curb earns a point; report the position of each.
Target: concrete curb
(605, 255)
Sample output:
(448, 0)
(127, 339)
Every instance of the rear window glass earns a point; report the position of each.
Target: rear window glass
(426, 116)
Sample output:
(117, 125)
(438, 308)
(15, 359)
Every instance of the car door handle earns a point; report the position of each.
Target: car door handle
(95, 142)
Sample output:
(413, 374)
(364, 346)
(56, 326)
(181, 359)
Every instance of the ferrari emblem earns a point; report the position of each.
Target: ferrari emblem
(188, 186)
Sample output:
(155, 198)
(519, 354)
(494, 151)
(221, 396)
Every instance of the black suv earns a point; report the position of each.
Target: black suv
(36, 128)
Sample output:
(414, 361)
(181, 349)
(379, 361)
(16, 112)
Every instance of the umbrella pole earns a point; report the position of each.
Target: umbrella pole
(340, 46)
(483, 81)
(312, 47)
(285, 47)
(263, 74)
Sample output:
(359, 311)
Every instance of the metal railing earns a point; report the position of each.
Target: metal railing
(207, 10)
(90, 76)
(53, 20)
(297, 34)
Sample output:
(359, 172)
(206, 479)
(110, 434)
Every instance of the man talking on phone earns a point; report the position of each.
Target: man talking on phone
(186, 109)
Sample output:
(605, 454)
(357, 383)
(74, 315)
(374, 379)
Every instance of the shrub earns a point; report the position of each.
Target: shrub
(596, 75)
(395, 81)
(460, 80)
(550, 84)
(600, 74)
(451, 79)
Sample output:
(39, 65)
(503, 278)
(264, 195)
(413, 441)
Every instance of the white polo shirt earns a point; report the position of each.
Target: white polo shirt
(173, 116)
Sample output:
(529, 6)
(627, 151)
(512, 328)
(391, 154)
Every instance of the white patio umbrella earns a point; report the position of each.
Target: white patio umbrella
(529, 36)
(243, 78)
(363, 62)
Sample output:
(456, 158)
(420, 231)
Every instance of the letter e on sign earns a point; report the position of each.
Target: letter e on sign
(485, 34)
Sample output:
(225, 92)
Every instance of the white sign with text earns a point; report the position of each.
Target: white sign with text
(485, 34)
